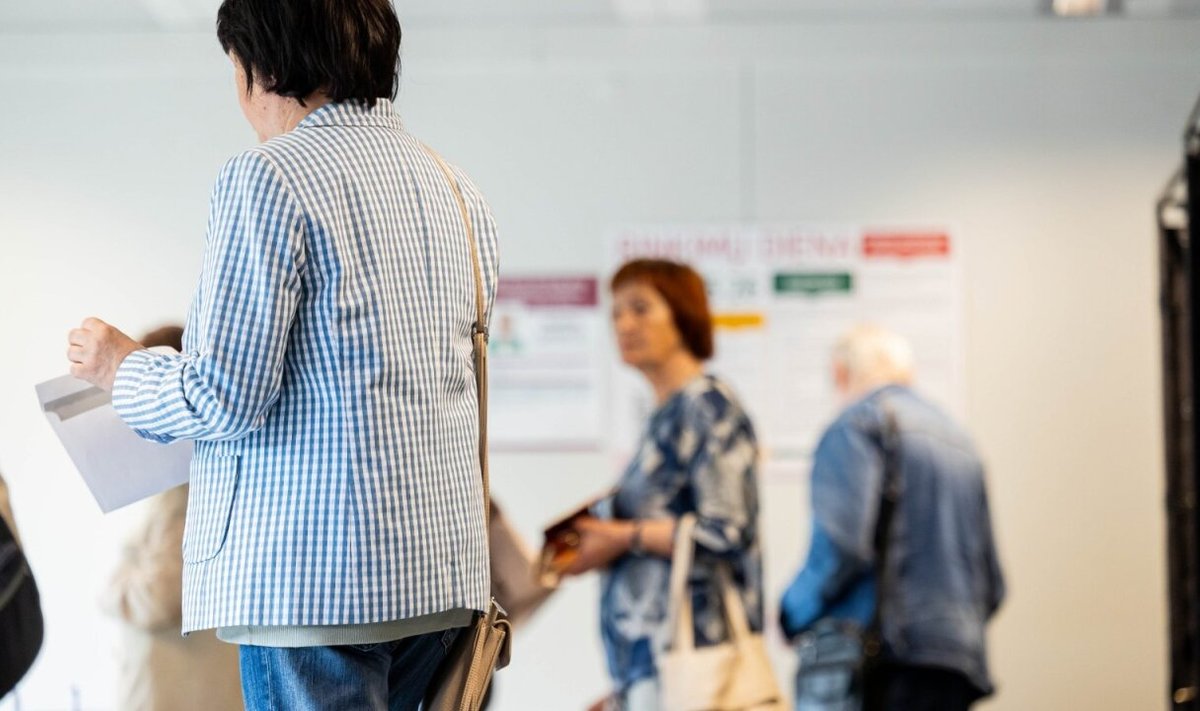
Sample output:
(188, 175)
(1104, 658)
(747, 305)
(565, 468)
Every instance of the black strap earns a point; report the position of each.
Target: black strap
(889, 441)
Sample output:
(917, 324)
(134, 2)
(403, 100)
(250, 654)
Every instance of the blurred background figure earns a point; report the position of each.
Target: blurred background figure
(6, 512)
(699, 455)
(21, 629)
(940, 580)
(161, 670)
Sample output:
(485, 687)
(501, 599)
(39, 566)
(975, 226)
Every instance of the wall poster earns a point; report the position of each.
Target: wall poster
(782, 295)
(547, 364)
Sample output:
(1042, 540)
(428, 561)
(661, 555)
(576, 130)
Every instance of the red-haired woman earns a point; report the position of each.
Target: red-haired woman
(698, 455)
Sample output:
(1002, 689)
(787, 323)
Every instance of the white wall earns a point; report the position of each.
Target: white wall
(1044, 142)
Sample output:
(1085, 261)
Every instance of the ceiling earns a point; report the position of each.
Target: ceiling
(106, 16)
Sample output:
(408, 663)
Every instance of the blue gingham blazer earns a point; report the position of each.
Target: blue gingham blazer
(327, 380)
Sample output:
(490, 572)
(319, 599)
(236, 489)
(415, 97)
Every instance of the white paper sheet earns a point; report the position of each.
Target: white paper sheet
(118, 466)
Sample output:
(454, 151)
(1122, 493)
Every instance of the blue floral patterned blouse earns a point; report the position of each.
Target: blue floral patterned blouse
(698, 454)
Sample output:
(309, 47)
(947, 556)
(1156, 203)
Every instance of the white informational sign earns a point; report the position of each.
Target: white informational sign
(548, 361)
(782, 295)
(118, 467)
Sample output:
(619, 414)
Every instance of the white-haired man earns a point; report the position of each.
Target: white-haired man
(902, 550)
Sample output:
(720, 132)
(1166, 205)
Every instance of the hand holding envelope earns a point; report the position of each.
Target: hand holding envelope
(118, 466)
(96, 350)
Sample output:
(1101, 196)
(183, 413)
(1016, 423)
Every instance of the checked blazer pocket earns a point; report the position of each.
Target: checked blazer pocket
(210, 501)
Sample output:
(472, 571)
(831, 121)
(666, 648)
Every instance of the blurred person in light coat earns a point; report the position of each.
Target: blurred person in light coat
(159, 669)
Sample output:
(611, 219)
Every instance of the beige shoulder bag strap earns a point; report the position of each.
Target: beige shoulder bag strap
(480, 336)
(463, 680)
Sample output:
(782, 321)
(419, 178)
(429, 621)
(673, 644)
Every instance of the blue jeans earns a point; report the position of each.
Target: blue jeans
(389, 676)
(642, 695)
(829, 676)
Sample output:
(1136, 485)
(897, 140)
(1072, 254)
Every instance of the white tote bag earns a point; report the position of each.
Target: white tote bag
(735, 675)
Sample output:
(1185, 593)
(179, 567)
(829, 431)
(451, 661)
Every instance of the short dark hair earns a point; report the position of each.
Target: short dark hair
(349, 49)
(683, 290)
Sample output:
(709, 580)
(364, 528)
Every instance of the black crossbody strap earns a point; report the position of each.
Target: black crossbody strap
(889, 440)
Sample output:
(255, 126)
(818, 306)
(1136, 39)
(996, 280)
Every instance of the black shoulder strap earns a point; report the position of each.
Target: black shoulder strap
(889, 439)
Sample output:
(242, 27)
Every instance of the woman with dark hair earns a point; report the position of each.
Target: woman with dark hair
(335, 522)
(698, 455)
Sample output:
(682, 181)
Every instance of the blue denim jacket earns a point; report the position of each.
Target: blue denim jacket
(944, 578)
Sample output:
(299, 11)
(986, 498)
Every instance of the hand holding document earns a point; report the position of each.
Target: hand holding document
(118, 466)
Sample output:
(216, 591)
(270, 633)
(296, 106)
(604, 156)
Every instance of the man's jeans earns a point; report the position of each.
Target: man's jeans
(829, 676)
(390, 676)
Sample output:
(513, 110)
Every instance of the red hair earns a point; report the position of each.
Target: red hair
(683, 290)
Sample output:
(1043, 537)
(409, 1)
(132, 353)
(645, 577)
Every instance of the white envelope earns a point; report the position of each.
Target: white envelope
(118, 466)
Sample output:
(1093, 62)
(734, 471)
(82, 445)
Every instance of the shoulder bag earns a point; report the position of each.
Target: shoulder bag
(735, 675)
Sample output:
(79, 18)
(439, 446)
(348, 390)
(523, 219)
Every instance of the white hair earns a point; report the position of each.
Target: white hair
(873, 355)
